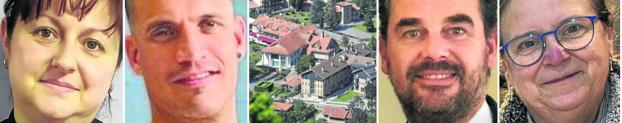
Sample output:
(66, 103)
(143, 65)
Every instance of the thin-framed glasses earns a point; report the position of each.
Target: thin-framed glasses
(573, 34)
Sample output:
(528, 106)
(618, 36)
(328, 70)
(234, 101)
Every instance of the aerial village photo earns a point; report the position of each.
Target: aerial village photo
(312, 61)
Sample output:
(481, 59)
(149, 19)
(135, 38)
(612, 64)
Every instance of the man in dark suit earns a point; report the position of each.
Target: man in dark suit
(438, 55)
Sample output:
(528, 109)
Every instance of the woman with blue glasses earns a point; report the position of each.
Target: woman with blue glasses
(558, 61)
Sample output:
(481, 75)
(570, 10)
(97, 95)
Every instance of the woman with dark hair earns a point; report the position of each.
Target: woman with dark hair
(61, 56)
(558, 58)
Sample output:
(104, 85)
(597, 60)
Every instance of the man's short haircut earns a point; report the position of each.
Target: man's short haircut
(488, 9)
(128, 11)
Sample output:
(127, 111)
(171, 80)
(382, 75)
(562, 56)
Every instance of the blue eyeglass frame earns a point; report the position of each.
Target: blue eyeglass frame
(505, 46)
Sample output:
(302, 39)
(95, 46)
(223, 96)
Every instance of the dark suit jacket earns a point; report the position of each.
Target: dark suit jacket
(493, 108)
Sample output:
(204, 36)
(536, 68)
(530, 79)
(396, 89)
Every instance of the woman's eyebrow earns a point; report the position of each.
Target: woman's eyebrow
(55, 22)
(88, 31)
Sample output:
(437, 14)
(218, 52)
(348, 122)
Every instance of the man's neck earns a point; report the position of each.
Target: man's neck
(228, 115)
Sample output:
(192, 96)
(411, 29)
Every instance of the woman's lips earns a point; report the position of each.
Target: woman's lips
(59, 85)
(194, 80)
(564, 77)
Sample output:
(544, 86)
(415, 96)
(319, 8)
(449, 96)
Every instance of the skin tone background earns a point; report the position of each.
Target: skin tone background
(137, 99)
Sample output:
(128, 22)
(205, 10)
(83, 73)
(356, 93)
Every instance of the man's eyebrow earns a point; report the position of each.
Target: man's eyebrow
(209, 16)
(459, 18)
(407, 22)
(157, 22)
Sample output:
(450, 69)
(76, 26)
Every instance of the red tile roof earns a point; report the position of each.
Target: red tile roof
(321, 43)
(346, 3)
(279, 106)
(336, 113)
(286, 45)
(293, 81)
(277, 25)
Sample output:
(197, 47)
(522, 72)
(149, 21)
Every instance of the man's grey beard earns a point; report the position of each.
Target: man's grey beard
(418, 112)
(458, 107)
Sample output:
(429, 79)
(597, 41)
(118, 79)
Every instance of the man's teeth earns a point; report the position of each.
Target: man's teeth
(202, 75)
(437, 76)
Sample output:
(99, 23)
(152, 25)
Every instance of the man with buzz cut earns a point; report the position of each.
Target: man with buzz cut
(188, 53)
(438, 55)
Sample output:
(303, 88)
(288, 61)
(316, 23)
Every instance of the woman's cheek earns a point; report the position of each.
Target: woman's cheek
(97, 79)
(31, 58)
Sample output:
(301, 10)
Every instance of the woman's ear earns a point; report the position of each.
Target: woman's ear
(612, 36)
(504, 70)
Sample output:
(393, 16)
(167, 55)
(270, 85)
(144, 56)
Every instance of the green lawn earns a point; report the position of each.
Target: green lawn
(348, 96)
(299, 17)
(361, 27)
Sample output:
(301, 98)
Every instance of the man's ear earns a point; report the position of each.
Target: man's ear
(4, 36)
(133, 54)
(491, 49)
(240, 37)
(383, 55)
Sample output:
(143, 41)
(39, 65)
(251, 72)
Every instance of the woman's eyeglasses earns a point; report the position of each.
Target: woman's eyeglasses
(573, 34)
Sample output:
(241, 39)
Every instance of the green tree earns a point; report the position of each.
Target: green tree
(255, 58)
(372, 43)
(317, 13)
(331, 18)
(370, 95)
(370, 90)
(345, 40)
(369, 22)
(262, 110)
(306, 61)
(321, 120)
(299, 4)
(358, 114)
(360, 3)
(255, 47)
(370, 6)
(292, 3)
(300, 112)
(255, 71)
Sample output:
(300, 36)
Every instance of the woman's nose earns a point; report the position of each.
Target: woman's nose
(554, 54)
